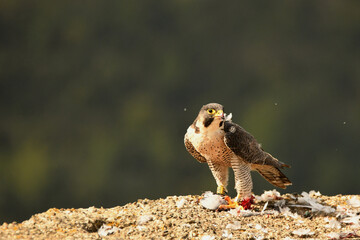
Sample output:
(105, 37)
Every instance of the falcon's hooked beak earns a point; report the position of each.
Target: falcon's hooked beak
(220, 114)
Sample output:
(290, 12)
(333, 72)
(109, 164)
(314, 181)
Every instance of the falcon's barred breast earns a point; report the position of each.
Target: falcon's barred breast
(213, 138)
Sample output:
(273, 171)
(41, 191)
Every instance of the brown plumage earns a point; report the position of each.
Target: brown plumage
(215, 139)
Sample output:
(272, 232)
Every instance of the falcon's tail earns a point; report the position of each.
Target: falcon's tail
(270, 160)
(273, 175)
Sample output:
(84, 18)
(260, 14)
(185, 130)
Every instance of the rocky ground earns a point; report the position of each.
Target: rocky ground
(273, 216)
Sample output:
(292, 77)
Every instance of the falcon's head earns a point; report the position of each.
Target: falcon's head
(211, 117)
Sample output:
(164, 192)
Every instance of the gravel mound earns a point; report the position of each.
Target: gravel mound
(273, 216)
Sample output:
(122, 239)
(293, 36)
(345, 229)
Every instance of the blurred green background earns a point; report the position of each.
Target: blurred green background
(96, 96)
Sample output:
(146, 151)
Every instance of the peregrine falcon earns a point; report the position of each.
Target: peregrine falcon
(214, 139)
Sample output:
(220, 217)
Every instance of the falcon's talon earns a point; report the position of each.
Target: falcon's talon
(235, 204)
(232, 204)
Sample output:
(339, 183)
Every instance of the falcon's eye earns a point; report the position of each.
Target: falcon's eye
(211, 111)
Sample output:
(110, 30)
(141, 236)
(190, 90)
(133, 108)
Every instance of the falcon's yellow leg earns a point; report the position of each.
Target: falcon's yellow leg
(221, 190)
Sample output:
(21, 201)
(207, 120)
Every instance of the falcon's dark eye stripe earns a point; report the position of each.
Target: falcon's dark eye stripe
(208, 121)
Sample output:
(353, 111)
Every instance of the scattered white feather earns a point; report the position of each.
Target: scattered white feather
(286, 212)
(258, 237)
(341, 208)
(333, 235)
(342, 211)
(186, 225)
(180, 203)
(313, 204)
(227, 117)
(354, 201)
(248, 213)
(144, 219)
(353, 219)
(306, 199)
(234, 212)
(264, 208)
(207, 237)
(303, 232)
(313, 193)
(332, 223)
(226, 234)
(212, 201)
(236, 225)
(343, 235)
(292, 196)
(106, 230)
(258, 227)
(349, 234)
(280, 203)
(141, 228)
(270, 195)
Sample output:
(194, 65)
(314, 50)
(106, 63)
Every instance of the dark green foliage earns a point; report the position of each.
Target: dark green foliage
(93, 95)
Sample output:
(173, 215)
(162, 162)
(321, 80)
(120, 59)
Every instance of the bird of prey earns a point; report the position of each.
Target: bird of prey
(214, 139)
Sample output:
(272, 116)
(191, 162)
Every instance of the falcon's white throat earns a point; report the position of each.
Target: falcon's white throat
(215, 126)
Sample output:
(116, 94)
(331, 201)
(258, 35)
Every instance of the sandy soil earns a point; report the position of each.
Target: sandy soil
(273, 216)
